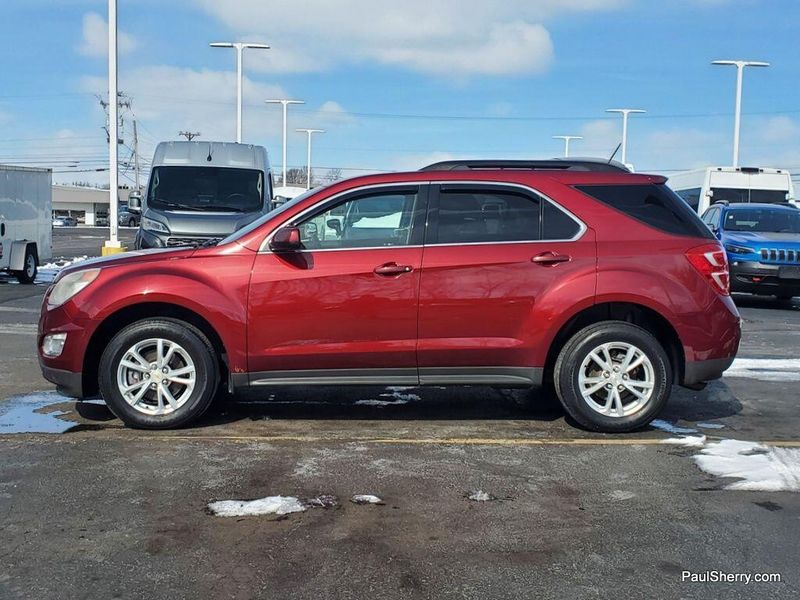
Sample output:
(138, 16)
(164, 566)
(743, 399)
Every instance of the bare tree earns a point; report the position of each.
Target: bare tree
(296, 176)
(334, 175)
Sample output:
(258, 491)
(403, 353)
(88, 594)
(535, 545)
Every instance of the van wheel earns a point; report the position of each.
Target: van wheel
(131, 223)
(28, 274)
(613, 377)
(159, 374)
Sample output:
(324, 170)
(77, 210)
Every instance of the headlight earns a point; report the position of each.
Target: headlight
(153, 225)
(739, 249)
(69, 285)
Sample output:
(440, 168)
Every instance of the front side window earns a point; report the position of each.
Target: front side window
(370, 220)
(481, 215)
(211, 189)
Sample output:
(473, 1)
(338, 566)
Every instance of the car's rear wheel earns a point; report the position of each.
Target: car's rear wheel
(159, 374)
(613, 377)
(30, 268)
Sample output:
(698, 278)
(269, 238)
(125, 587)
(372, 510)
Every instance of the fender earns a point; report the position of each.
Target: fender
(16, 261)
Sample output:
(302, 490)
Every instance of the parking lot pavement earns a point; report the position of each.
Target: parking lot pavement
(104, 511)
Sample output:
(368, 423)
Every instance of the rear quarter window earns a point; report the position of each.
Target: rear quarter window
(652, 204)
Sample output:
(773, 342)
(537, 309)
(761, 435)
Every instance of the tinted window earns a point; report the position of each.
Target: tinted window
(556, 224)
(368, 221)
(480, 215)
(213, 189)
(735, 195)
(763, 220)
(655, 205)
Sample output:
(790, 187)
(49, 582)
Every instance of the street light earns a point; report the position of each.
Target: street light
(112, 245)
(286, 104)
(239, 46)
(310, 132)
(625, 112)
(737, 119)
(567, 139)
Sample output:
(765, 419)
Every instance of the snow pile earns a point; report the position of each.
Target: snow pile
(481, 496)
(691, 441)
(710, 425)
(47, 272)
(670, 428)
(366, 499)
(759, 467)
(767, 369)
(271, 505)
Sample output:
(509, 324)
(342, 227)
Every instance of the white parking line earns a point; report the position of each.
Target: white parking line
(19, 328)
(19, 309)
(767, 369)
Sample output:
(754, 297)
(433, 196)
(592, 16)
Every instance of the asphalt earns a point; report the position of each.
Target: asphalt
(101, 511)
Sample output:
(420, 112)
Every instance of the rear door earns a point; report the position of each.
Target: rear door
(493, 255)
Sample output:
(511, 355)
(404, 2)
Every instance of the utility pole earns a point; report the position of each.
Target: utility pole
(136, 156)
(567, 139)
(737, 119)
(625, 112)
(112, 245)
(309, 132)
(239, 47)
(286, 104)
(189, 135)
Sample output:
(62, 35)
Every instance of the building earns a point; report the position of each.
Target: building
(83, 203)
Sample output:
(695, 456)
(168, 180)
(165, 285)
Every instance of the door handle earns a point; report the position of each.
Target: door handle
(392, 268)
(550, 258)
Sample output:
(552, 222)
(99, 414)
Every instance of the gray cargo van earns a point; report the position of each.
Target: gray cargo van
(201, 192)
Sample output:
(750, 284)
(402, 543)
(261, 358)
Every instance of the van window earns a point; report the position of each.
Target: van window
(691, 197)
(736, 195)
(213, 189)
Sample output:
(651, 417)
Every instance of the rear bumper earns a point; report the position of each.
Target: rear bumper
(698, 371)
(767, 279)
(67, 383)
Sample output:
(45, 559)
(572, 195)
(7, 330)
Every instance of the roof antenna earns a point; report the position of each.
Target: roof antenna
(613, 154)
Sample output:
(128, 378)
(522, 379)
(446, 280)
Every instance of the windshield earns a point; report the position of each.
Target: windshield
(763, 220)
(273, 213)
(748, 195)
(212, 189)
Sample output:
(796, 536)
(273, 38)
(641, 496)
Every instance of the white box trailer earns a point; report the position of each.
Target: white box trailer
(700, 188)
(26, 220)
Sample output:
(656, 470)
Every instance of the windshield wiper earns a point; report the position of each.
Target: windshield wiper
(224, 208)
(168, 204)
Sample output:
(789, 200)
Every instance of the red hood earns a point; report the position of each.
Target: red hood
(126, 258)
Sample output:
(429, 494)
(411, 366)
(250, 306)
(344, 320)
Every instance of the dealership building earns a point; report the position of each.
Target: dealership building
(83, 203)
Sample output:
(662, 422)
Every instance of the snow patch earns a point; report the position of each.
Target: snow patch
(622, 495)
(768, 369)
(758, 467)
(271, 505)
(480, 496)
(691, 441)
(710, 425)
(22, 414)
(366, 499)
(372, 402)
(47, 272)
(670, 427)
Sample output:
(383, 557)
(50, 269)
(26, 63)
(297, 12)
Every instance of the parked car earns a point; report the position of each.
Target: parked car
(576, 275)
(101, 220)
(763, 246)
(65, 222)
(128, 219)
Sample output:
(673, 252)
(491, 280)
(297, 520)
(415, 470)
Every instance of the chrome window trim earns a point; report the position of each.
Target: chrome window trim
(581, 231)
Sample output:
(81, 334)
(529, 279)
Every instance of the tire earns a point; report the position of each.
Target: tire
(192, 352)
(575, 360)
(28, 274)
(131, 222)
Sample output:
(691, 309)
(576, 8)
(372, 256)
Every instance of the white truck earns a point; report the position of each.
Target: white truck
(700, 188)
(26, 220)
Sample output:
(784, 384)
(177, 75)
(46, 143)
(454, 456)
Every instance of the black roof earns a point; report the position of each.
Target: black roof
(557, 164)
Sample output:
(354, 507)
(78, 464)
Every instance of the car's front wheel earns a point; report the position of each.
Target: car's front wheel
(613, 377)
(159, 374)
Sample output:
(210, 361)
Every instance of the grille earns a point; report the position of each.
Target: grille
(780, 255)
(175, 242)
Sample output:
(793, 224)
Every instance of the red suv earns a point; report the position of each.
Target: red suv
(573, 274)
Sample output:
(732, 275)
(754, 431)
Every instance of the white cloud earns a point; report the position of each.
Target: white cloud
(95, 38)
(779, 129)
(440, 37)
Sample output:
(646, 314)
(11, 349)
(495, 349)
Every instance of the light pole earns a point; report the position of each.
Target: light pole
(239, 46)
(286, 104)
(567, 139)
(112, 245)
(625, 112)
(310, 132)
(737, 119)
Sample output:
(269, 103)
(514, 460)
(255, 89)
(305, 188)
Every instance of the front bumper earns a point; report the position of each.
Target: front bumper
(759, 278)
(67, 383)
(147, 239)
(699, 371)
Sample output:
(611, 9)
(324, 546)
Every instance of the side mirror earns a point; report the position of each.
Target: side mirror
(135, 202)
(336, 225)
(286, 239)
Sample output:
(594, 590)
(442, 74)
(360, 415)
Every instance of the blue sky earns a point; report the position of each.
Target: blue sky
(397, 85)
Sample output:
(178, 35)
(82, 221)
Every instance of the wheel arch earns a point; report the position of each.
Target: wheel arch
(630, 312)
(118, 320)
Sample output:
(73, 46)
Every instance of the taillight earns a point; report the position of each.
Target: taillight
(712, 263)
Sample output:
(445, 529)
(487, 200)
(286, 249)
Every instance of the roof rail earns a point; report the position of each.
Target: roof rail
(555, 164)
(721, 202)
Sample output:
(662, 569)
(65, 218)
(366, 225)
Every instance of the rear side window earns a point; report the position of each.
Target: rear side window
(479, 215)
(652, 204)
(557, 225)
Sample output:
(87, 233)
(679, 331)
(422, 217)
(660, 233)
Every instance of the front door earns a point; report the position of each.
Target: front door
(493, 256)
(344, 309)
